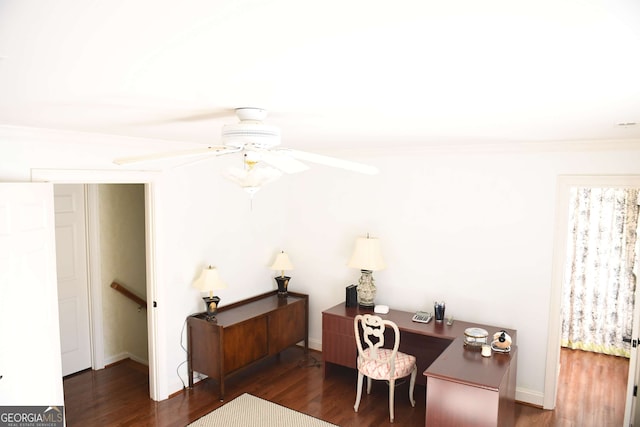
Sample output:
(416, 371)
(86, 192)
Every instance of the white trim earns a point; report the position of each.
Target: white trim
(35, 134)
(65, 136)
(123, 356)
(631, 401)
(94, 276)
(529, 397)
(82, 176)
(157, 340)
(559, 249)
(503, 147)
(315, 344)
(555, 304)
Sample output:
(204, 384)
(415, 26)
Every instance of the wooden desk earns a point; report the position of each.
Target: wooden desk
(245, 332)
(463, 388)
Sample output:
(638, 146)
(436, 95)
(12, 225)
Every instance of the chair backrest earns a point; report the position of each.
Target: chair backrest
(369, 331)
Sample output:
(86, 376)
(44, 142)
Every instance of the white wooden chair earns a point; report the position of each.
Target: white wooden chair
(379, 363)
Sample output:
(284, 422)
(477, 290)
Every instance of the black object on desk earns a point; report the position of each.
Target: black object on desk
(352, 296)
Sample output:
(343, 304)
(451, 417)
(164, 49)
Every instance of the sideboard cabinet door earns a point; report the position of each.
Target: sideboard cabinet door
(244, 343)
(285, 327)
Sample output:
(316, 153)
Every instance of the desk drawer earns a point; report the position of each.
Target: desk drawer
(338, 325)
(338, 341)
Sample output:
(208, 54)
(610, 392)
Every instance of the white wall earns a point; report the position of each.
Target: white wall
(473, 228)
(203, 219)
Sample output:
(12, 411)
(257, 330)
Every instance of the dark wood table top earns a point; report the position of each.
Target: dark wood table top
(467, 366)
(253, 307)
(458, 363)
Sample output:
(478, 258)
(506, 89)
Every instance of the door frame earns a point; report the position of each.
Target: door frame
(157, 370)
(564, 183)
(94, 276)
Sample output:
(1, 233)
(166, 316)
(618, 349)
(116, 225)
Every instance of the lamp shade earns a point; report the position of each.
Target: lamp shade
(209, 280)
(282, 262)
(367, 255)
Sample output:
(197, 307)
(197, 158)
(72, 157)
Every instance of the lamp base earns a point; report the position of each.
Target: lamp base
(283, 283)
(366, 289)
(212, 307)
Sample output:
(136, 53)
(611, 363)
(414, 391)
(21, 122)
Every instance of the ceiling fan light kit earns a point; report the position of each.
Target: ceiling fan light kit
(264, 162)
(252, 177)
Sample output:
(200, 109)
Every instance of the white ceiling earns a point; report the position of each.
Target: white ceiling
(332, 73)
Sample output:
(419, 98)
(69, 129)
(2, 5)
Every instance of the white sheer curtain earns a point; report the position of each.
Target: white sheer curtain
(599, 279)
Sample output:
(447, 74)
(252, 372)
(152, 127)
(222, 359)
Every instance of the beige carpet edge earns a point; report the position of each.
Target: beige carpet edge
(248, 410)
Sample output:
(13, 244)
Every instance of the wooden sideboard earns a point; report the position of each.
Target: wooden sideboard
(245, 332)
(463, 388)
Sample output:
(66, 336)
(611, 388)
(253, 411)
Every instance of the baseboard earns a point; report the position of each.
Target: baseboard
(529, 397)
(315, 344)
(110, 360)
(139, 359)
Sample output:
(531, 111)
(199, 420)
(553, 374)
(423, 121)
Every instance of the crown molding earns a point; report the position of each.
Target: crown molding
(52, 136)
(93, 176)
(504, 147)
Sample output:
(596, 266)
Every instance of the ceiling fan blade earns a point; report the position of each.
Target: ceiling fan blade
(284, 163)
(204, 115)
(216, 150)
(330, 161)
(187, 117)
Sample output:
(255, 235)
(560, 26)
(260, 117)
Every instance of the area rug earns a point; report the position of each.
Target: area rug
(251, 411)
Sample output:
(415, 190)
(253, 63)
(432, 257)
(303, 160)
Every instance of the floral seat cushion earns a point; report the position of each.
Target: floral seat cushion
(380, 368)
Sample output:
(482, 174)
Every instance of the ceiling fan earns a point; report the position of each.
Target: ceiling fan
(261, 143)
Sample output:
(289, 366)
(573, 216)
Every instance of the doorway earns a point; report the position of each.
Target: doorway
(565, 183)
(598, 291)
(599, 283)
(157, 367)
(115, 232)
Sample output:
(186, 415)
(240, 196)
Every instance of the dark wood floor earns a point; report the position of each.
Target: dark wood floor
(591, 390)
(591, 393)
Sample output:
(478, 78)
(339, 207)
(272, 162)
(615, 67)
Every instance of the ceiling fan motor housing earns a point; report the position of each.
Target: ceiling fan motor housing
(256, 134)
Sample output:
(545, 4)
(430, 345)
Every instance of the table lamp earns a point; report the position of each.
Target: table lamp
(209, 281)
(282, 263)
(368, 258)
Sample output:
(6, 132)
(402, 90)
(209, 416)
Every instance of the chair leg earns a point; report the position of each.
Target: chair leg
(359, 392)
(392, 392)
(369, 385)
(412, 384)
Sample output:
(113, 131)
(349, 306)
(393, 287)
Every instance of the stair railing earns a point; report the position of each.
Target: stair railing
(127, 293)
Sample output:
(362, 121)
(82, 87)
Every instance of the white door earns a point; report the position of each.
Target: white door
(631, 413)
(631, 409)
(71, 263)
(29, 335)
